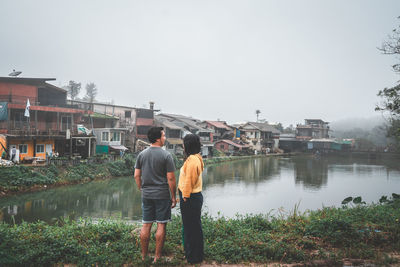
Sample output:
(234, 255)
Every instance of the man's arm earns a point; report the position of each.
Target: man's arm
(137, 175)
(172, 187)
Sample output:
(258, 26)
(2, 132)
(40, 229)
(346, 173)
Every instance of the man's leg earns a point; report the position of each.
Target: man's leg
(145, 238)
(160, 238)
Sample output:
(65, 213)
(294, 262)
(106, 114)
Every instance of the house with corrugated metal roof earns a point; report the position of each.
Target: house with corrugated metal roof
(262, 137)
(188, 125)
(312, 128)
(173, 134)
(129, 125)
(220, 130)
(231, 147)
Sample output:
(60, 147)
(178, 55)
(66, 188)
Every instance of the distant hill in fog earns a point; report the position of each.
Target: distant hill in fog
(366, 124)
(371, 129)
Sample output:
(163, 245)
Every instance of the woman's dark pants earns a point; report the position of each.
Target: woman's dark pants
(192, 231)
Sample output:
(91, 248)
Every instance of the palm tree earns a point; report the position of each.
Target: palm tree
(257, 113)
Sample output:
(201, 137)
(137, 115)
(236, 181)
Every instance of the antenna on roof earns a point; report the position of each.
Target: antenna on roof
(15, 73)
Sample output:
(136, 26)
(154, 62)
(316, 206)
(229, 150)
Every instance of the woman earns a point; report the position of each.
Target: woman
(191, 199)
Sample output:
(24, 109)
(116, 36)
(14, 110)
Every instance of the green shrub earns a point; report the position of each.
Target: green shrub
(119, 168)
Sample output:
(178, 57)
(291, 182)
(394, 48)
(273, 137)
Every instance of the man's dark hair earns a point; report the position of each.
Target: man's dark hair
(154, 133)
(192, 144)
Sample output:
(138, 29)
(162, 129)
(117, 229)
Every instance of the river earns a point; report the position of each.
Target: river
(269, 185)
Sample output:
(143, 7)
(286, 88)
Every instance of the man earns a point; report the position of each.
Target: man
(155, 177)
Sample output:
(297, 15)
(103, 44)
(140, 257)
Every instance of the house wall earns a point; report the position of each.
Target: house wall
(222, 146)
(44, 121)
(110, 142)
(19, 92)
(51, 97)
(124, 122)
(31, 148)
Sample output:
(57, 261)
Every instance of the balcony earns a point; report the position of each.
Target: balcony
(23, 129)
(21, 100)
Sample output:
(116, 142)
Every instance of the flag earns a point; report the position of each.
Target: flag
(28, 105)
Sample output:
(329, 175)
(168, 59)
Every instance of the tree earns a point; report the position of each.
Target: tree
(392, 46)
(391, 96)
(91, 92)
(73, 89)
(258, 113)
(290, 129)
(279, 127)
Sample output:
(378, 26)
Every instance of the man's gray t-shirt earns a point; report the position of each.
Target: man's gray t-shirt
(154, 163)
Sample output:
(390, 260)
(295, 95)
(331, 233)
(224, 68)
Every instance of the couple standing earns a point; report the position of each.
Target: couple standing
(155, 177)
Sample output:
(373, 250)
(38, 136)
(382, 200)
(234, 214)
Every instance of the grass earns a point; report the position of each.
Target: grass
(367, 232)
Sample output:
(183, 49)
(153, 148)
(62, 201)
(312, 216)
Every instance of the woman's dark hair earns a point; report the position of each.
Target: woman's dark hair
(192, 144)
(154, 133)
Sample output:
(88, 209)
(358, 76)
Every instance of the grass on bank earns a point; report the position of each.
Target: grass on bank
(369, 232)
(19, 178)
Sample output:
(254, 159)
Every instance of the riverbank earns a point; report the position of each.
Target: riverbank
(21, 179)
(327, 237)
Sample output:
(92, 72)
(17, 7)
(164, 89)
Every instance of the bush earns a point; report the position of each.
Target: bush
(119, 168)
(252, 238)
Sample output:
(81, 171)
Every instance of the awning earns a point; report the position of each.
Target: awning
(174, 141)
(119, 147)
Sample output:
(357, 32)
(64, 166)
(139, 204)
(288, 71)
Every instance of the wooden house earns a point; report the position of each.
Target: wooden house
(312, 129)
(230, 147)
(132, 122)
(260, 136)
(39, 121)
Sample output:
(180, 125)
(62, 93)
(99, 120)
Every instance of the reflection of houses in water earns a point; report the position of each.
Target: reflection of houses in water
(247, 171)
(311, 173)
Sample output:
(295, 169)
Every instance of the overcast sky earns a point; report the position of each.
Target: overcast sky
(210, 59)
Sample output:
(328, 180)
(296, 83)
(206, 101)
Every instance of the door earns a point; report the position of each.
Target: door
(49, 149)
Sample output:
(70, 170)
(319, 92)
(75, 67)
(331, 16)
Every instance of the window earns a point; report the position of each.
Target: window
(170, 146)
(116, 136)
(66, 123)
(23, 149)
(39, 148)
(145, 113)
(128, 114)
(222, 146)
(104, 137)
(172, 133)
(142, 130)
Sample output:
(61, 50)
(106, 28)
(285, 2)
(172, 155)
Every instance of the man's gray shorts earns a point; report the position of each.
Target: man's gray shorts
(156, 210)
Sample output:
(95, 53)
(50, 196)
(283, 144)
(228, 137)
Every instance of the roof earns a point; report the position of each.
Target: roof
(177, 116)
(309, 126)
(232, 143)
(25, 80)
(188, 121)
(219, 124)
(97, 115)
(170, 125)
(323, 140)
(319, 120)
(264, 127)
(107, 104)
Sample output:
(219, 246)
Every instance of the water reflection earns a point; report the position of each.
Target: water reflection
(101, 199)
(249, 171)
(245, 186)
